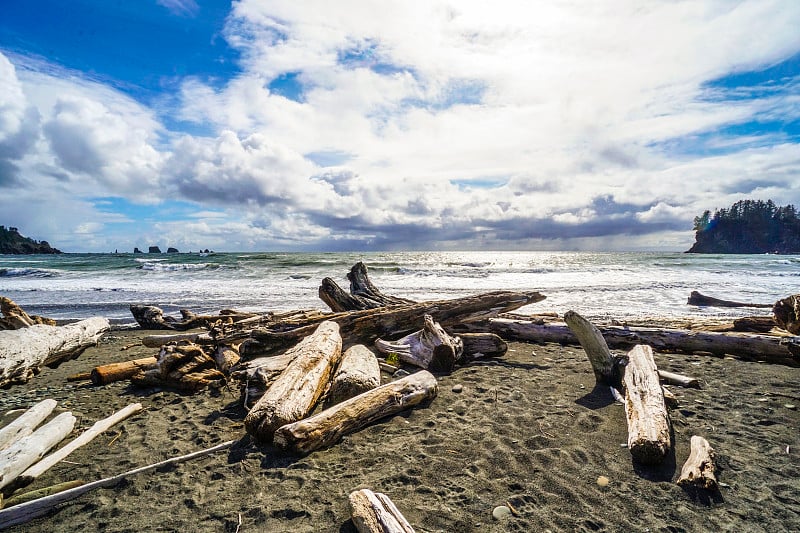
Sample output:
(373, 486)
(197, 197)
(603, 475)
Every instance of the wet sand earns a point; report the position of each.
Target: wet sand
(526, 430)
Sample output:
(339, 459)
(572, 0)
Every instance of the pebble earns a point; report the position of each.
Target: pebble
(458, 388)
(501, 512)
(602, 481)
(790, 406)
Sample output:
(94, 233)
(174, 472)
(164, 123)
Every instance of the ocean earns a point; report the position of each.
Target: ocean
(624, 286)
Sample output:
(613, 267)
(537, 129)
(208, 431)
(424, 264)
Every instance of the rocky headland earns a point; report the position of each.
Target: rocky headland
(11, 242)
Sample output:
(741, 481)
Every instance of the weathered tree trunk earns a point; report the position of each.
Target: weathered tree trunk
(363, 294)
(293, 395)
(15, 318)
(699, 469)
(258, 374)
(787, 313)
(104, 374)
(26, 451)
(604, 365)
(327, 427)
(185, 367)
(358, 372)
(25, 423)
(748, 346)
(649, 437)
(24, 351)
(366, 326)
(430, 348)
(84, 438)
(157, 341)
(755, 324)
(152, 317)
(695, 298)
(374, 512)
(482, 345)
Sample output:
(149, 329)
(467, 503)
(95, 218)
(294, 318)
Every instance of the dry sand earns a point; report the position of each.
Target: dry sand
(526, 430)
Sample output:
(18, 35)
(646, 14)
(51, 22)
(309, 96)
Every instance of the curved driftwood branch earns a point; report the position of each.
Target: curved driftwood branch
(604, 365)
(363, 293)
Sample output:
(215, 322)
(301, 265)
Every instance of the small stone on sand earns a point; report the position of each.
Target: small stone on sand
(501, 512)
(458, 388)
(602, 481)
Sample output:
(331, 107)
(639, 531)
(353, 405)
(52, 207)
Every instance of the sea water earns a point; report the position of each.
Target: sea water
(597, 285)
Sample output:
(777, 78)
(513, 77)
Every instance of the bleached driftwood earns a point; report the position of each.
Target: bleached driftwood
(14, 317)
(678, 379)
(699, 469)
(747, 346)
(695, 298)
(330, 425)
(185, 367)
(25, 423)
(604, 364)
(226, 357)
(366, 326)
(157, 341)
(26, 451)
(24, 351)
(649, 437)
(258, 374)
(430, 348)
(84, 438)
(296, 391)
(374, 512)
(25, 512)
(363, 294)
(105, 374)
(670, 400)
(358, 372)
(482, 345)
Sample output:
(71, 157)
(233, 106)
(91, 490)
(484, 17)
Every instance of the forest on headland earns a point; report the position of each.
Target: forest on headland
(11, 242)
(748, 227)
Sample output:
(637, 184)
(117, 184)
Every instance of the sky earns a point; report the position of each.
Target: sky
(286, 125)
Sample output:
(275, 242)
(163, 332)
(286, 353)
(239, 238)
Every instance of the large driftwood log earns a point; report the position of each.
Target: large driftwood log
(374, 512)
(15, 318)
(695, 298)
(430, 348)
(259, 373)
(26, 451)
(787, 313)
(25, 423)
(358, 372)
(366, 326)
(363, 294)
(699, 469)
(24, 351)
(296, 391)
(157, 341)
(84, 438)
(748, 346)
(186, 367)
(105, 374)
(25, 512)
(649, 437)
(330, 425)
(152, 317)
(482, 345)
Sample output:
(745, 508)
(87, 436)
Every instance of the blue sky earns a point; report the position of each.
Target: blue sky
(255, 125)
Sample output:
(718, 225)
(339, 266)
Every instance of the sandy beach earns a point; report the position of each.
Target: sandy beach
(526, 431)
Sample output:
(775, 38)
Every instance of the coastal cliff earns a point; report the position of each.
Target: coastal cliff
(11, 242)
(748, 227)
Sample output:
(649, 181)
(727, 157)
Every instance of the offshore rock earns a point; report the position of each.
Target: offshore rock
(154, 250)
(172, 250)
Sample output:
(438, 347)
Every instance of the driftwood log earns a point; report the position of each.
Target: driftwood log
(296, 391)
(787, 313)
(358, 372)
(104, 374)
(482, 345)
(695, 298)
(649, 436)
(699, 469)
(605, 366)
(23, 453)
(39, 493)
(157, 341)
(771, 349)
(24, 424)
(365, 326)
(363, 294)
(430, 348)
(678, 379)
(15, 318)
(258, 374)
(374, 512)
(24, 351)
(33, 472)
(187, 367)
(25, 512)
(330, 425)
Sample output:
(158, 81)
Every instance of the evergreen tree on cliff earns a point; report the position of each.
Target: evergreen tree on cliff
(748, 227)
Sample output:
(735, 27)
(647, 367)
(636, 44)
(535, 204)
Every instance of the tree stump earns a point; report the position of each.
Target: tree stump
(699, 469)
(296, 391)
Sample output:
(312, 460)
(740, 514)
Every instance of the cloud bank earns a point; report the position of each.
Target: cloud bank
(425, 125)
